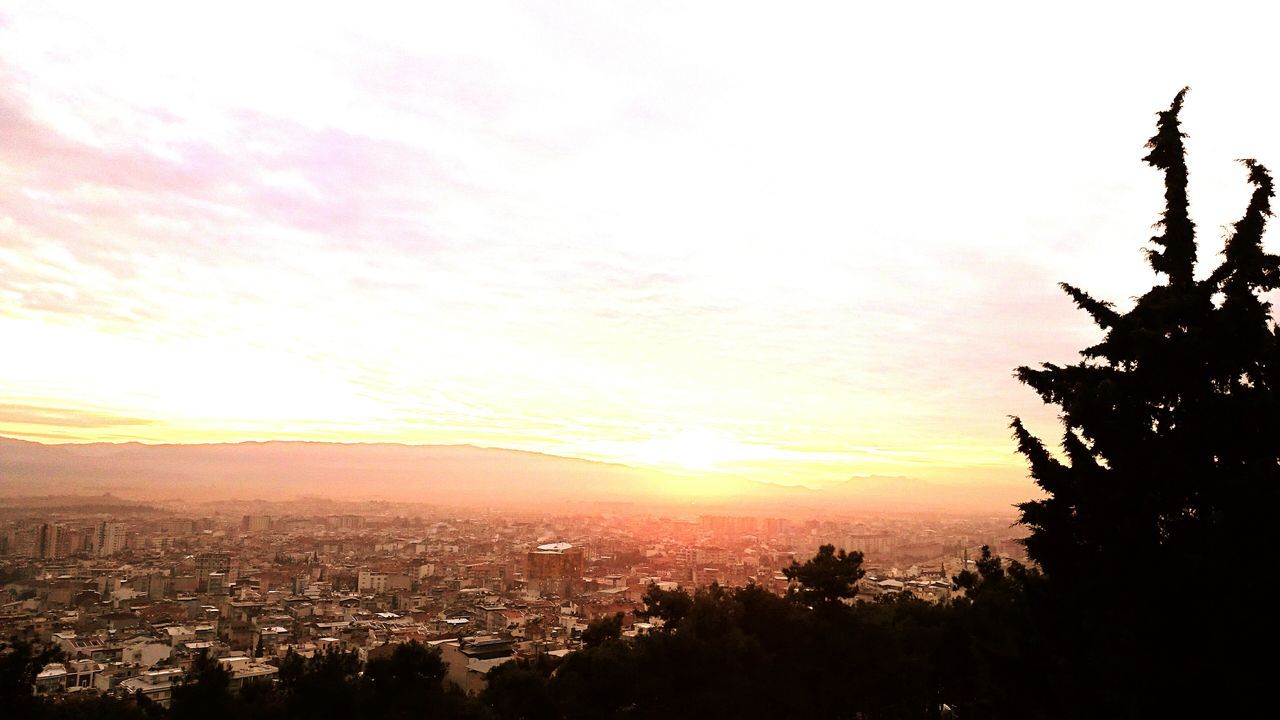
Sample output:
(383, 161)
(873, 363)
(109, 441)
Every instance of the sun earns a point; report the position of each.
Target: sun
(691, 450)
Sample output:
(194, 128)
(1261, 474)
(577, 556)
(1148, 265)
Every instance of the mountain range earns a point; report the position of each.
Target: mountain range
(447, 475)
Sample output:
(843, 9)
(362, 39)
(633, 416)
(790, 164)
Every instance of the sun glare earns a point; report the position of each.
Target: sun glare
(690, 451)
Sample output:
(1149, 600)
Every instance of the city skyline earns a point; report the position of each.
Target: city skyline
(565, 233)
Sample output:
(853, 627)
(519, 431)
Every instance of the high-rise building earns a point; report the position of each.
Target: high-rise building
(178, 527)
(556, 568)
(53, 541)
(23, 541)
(347, 522)
(109, 539)
(256, 523)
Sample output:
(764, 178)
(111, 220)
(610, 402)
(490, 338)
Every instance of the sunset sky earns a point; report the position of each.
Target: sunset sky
(795, 243)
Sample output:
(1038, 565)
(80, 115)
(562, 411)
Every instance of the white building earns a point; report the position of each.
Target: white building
(59, 677)
(156, 685)
(371, 581)
(145, 652)
(245, 671)
(108, 539)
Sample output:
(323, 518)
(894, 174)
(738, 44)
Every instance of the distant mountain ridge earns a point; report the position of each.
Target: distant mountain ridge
(452, 475)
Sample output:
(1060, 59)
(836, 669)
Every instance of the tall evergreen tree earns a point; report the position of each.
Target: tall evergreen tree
(1171, 463)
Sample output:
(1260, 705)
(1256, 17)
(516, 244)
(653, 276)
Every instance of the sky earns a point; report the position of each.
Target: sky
(795, 244)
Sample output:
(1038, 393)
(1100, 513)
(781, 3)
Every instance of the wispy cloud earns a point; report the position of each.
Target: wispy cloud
(65, 417)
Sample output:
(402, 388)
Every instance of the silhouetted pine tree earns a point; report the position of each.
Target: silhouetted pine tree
(1157, 518)
(831, 576)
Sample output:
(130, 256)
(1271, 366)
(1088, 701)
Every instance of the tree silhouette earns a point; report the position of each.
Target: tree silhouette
(324, 685)
(1171, 443)
(830, 576)
(517, 690)
(20, 662)
(205, 692)
(406, 683)
(669, 606)
(602, 630)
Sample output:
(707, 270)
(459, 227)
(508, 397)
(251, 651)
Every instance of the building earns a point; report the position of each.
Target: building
(144, 651)
(23, 541)
(156, 685)
(178, 527)
(372, 581)
(108, 539)
(216, 584)
(347, 522)
(247, 671)
(53, 541)
(256, 523)
(471, 658)
(555, 569)
(59, 677)
(208, 563)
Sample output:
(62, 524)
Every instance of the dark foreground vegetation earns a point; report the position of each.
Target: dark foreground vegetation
(1145, 598)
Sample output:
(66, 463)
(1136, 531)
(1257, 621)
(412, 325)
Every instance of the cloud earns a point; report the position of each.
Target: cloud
(65, 417)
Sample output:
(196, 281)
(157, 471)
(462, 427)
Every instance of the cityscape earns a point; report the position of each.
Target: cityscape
(132, 593)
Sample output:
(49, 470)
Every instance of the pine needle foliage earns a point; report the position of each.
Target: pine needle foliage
(1161, 501)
